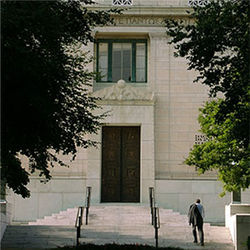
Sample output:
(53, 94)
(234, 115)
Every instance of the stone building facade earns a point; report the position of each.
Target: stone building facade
(152, 124)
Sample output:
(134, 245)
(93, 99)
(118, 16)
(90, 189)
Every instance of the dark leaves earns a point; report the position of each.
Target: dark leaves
(217, 46)
(45, 100)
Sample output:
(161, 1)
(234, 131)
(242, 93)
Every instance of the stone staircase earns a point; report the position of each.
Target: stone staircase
(122, 224)
(63, 218)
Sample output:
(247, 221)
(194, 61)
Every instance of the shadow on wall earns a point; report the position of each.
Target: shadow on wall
(5, 216)
(238, 222)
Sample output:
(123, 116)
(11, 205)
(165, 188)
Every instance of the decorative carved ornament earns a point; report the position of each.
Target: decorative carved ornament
(122, 2)
(124, 92)
(200, 3)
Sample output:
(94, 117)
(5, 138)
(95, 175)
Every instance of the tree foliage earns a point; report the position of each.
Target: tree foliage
(216, 45)
(45, 103)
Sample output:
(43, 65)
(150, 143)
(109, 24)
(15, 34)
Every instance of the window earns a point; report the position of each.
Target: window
(121, 59)
(122, 2)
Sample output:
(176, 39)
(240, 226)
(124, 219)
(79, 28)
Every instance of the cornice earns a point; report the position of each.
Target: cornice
(149, 10)
(157, 11)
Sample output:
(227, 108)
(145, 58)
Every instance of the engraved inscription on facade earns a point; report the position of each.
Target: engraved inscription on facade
(144, 21)
(139, 20)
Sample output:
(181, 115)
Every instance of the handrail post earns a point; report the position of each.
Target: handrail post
(88, 195)
(78, 224)
(155, 215)
(152, 203)
(78, 235)
(156, 224)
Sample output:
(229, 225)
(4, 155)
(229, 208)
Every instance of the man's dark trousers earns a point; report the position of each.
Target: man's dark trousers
(200, 230)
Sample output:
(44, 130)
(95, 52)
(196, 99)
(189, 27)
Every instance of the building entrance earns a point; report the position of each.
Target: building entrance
(120, 164)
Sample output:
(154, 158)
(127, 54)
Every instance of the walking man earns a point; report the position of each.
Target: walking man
(195, 216)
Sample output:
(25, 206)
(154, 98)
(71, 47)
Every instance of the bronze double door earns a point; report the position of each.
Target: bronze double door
(120, 164)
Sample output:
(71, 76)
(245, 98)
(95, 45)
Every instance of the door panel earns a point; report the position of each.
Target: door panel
(111, 156)
(131, 164)
(121, 164)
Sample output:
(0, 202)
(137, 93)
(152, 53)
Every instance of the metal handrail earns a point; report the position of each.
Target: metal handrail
(152, 203)
(88, 196)
(78, 224)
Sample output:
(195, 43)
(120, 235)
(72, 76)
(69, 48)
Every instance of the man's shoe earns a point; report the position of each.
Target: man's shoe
(195, 241)
(202, 244)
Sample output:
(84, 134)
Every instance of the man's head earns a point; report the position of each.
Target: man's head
(198, 201)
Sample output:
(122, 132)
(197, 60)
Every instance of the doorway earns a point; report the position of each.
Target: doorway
(120, 164)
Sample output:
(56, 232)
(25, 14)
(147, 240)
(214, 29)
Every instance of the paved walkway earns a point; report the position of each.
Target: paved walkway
(114, 224)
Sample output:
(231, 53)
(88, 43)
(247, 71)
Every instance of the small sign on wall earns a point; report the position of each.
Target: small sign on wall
(200, 139)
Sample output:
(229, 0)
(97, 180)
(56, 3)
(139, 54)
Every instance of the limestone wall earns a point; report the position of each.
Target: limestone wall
(176, 110)
(66, 189)
(180, 194)
(56, 195)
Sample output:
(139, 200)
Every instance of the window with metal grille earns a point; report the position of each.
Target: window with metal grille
(122, 2)
(121, 59)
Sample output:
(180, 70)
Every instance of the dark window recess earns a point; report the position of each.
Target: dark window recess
(121, 59)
